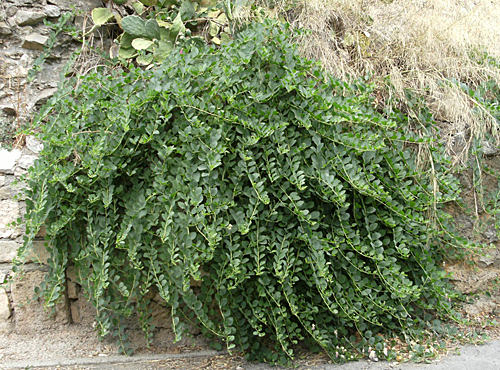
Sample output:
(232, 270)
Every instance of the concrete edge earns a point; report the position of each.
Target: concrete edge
(108, 360)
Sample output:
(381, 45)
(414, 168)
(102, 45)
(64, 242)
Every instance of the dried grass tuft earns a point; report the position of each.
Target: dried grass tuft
(418, 44)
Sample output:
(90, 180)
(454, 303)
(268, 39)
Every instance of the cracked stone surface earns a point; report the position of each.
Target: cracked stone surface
(26, 18)
(34, 41)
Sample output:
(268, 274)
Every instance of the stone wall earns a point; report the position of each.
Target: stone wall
(476, 222)
(22, 38)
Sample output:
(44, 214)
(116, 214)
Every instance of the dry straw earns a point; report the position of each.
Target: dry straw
(418, 44)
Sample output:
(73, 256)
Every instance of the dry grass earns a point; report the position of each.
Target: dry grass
(418, 44)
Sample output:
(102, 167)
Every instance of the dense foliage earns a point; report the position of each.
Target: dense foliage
(300, 208)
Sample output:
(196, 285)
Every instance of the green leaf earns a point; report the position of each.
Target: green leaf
(152, 29)
(176, 28)
(163, 23)
(126, 40)
(102, 16)
(187, 10)
(134, 25)
(141, 44)
(126, 53)
(145, 60)
(164, 49)
(225, 38)
(138, 7)
(213, 29)
(149, 2)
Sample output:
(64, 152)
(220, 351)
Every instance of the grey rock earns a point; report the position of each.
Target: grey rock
(33, 144)
(42, 98)
(5, 193)
(10, 111)
(489, 258)
(75, 313)
(9, 213)
(489, 149)
(491, 234)
(38, 252)
(72, 291)
(34, 41)
(28, 2)
(33, 317)
(19, 172)
(11, 11)
(26, 161)
(3, 275)
(5, 30)
(8, 160)
(84, 5)
(2, 180)
(25, 18)
(52, 11)
(4, 306)
(71, 274)
(42, 233)
(8, 250)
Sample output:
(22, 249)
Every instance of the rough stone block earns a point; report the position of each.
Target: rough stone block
(8, 160)
(52, 11)
(72, 290)
(34, 41)
(5, 30)
(9, 110)
(44, 96)
(5, 313)
(9, 212)
(470, 281)
(42, 233)
(71, 274)
(31, 316)
(4, 305)
(84, 5)
(75, 313)
(8, 250)
(161, 316)
(491, 257)
(33, 144)
(5, 193)
(86, 312)
(26, 18)
(26, 161)
(11, 11)
(4, 272)
(38, 253)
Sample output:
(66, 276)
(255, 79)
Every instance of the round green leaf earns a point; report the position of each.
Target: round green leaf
(141, 44)
(145, 60)
(152, 29)
(149, 2)
(126, 40)
(126, 53)
(138, 7)
(101, 16)
(134, 25)
(176, 27)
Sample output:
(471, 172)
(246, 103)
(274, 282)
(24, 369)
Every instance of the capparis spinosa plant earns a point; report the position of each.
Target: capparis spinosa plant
(299, 207)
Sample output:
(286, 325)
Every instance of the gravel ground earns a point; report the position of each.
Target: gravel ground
(484, 357)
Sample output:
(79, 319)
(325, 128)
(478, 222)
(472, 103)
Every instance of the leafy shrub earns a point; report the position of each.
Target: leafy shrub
(300, 208)
(150, 34)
